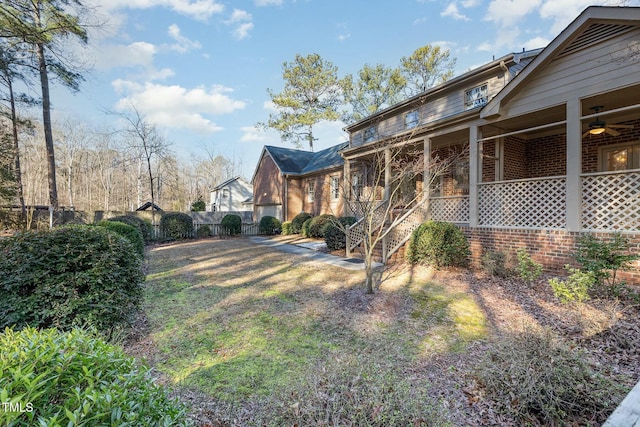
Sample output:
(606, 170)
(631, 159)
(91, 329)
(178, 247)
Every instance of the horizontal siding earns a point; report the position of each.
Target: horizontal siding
(585, 73)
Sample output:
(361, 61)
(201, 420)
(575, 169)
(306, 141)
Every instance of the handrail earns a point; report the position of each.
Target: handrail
(354, 233)
(404, 226)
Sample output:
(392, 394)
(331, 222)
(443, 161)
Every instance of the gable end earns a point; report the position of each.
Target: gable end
(596, 33)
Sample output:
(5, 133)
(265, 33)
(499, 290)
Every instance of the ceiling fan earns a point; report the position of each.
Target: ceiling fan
(598, 126)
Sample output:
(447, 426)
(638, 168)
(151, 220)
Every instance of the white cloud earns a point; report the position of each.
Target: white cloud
(137, 54)
(260, 3)
(183, 44)
(452, 11)
(510, 13)
(242, 21)
(176, 107)
(470, 3)
(196, 9)
(536, 42)
(251, 134)
(562, 12)
(343, 37)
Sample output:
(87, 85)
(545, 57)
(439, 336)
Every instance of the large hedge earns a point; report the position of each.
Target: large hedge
(440, 244)
(298, 221)
(130, 232)
(231, 225)
(72, 378)
(270, 225)
(333, 234)
(144, 225)
(319, 223)
(68, 276)
(176, 225)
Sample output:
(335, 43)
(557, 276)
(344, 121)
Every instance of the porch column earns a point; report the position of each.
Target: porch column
(475, 166)
(426, 176)
(574, 166)
(387, 173)
(346, 190)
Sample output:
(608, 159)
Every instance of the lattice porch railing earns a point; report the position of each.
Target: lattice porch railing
(611, 201)
(450, 209)
(399, 232)
(523, 203)
(355, 234)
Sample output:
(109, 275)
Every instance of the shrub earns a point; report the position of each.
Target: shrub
(68, 276)
(286, 228)
(145, 226)
(333, 234)
(440, 244)
(318, 225)
(305, 228)
(231, 225)
(198, 206)
(296, 223)
(74, 378)
(176, 226)
(575, 288)
(527, 269)
(605, 257)
(538, 380)
(130, 232)
(269, 225)
(203, 231)
(495, 264)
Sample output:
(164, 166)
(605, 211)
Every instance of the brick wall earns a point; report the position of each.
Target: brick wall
(551, 248)
(515, 159)
(547, 156)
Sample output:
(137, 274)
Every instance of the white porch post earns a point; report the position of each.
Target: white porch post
(474, 172)
(346, 190)
(387, 172)
(574, 166)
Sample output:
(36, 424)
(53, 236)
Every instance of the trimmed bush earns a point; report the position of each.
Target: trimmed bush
(231, 225)
(204, 231)
(333, 234)
(527, 268)
(71, 275)
(440, 244)
(130, 232)
(144, 225)
(269, 225)
(176, 226)
(73, 378)
(319, 223)
(575, 288)
(286, 228)
(305, 228)
(296, 223)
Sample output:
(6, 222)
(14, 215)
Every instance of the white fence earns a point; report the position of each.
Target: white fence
(450, 209)
(248, 229)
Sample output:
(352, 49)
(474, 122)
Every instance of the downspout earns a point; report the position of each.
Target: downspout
(285, 196)
(504, 68)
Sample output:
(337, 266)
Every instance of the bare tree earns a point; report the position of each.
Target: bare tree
(386, 186)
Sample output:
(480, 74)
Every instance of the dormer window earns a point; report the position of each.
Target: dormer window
(370, 134)
(411, 119)
(476, 97)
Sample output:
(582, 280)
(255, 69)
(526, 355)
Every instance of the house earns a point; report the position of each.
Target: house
(233, 195)
(553, 140)
(289, 181)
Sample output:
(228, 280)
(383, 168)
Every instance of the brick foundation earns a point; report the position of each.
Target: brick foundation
(551, 248)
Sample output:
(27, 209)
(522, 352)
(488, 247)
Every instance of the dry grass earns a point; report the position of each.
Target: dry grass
(253, 336)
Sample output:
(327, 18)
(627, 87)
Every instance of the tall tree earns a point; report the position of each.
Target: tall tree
(312, 93)
(376, 87)
(426, 67)
(38, 26)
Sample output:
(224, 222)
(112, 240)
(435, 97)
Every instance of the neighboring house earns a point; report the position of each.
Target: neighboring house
(288, 181)
(553, 141)
(233, 195)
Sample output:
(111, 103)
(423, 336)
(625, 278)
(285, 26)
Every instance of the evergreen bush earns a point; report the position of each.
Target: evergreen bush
(144, 225)
(130, 232)
(203, 231)
(296, 223)
(527, 268)
(231, 225)
(334, 236)
(305, 228)
(68, 276)
(440, 244)
(318, 225)
(286, 228)
(575, 288)
(176, 226)
(76, 379)
(269, 225)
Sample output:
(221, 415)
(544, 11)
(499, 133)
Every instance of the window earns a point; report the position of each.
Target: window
(310, 190)
(225, 192)
(357, 185)
(620, 157)
(476, 97)
(335, 187)
(370, 134)
(411, 119)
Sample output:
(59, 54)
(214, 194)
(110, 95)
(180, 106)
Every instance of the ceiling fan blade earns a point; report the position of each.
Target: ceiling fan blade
(611, 132)
(621, 126)
(587, 133)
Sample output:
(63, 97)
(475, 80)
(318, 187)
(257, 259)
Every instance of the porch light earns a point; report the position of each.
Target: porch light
(596, 131)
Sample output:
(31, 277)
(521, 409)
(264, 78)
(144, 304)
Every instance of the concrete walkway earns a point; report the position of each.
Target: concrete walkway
(313, 255)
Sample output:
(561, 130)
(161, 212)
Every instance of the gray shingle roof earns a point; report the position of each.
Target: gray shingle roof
(299, 162)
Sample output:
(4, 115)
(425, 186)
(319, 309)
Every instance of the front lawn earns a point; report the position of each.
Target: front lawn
(252, 336)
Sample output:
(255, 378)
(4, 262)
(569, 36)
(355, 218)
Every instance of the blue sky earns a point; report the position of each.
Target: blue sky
(200, 69)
